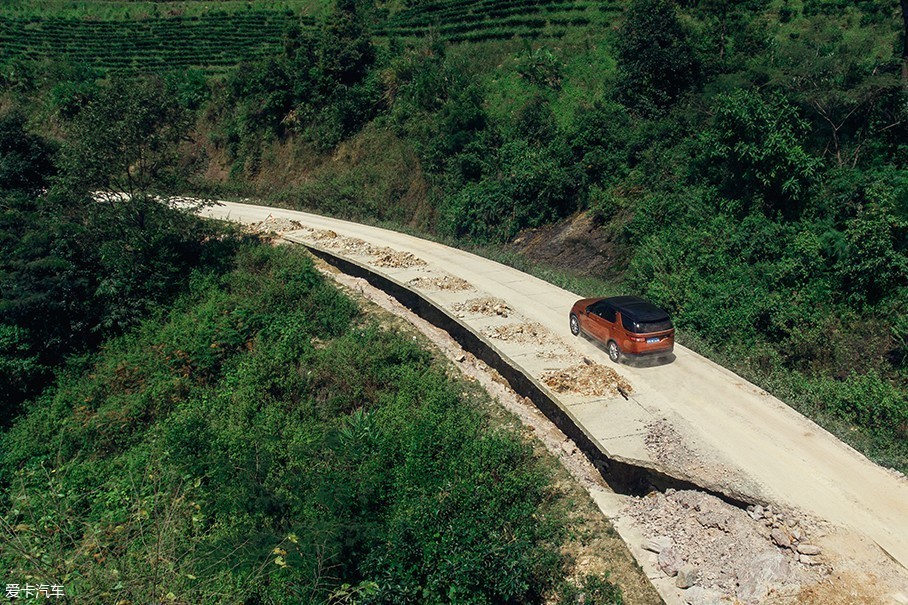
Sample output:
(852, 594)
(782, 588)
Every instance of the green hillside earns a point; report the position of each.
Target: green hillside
(742, 164)
(146, 37)
(210, 41)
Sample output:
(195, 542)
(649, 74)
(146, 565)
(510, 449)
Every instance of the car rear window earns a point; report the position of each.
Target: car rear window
(646, 327)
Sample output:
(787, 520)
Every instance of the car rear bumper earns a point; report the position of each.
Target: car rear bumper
(650, 352)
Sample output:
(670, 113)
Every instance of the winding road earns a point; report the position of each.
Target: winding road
(748, 441)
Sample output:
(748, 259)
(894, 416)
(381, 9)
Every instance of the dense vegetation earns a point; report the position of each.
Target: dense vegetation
(200, 417)
(748, 164)
(225, 452)
(745, 164)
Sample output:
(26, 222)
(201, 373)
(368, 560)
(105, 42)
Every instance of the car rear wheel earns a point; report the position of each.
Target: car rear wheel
(614, 353)
(575, 325)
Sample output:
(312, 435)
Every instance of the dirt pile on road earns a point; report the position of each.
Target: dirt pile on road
(440, 282)
(274, 225)
(525, 333)
(718, 552)
(487, 305)
(345, 245)
(395, 259)
(592, 380)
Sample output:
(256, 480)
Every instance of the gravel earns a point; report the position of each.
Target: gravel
(592, 380)
(487, 305)
(442, 282)
(718, 547)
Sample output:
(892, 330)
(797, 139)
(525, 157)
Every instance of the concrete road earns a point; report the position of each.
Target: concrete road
(747, 439)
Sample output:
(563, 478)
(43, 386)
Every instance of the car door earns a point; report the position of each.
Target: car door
(601, 317)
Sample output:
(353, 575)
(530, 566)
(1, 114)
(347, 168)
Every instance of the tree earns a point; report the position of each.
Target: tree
(753, 149)
(905, 42)
(656, 60)
(724, 18)
(124, 141)
(25, 160)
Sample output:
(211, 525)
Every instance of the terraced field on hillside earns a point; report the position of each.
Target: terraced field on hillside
(475, 20)
(213, 42)
(218, 41)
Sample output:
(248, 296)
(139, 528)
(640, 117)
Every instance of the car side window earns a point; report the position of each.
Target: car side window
(604, 311)
(628, 324)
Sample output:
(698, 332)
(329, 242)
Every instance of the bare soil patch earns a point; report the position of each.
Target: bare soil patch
(274, 225)
(345, 245)
(440, 282)
(720, 552)
(592, 380)
(395, 259)
(525, 333)
(488, 306)
(577, 244)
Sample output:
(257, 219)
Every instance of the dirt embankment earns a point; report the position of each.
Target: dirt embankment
(575, 244)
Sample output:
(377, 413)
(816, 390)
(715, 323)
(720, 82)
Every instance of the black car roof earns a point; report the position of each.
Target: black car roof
(637, 309)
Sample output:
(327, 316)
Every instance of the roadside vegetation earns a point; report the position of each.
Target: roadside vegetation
(187, 412)
(191, 415)
(744, 167)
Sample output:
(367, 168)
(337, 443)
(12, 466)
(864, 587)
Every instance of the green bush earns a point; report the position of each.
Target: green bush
(225, 452)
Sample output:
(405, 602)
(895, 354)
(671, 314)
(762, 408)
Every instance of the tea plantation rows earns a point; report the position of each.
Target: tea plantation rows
(218, 41)
(457, 20)
(212, 41)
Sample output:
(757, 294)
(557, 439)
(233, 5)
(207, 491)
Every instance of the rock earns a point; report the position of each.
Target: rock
(669, 561)
(712, 519)
(687, 576)
(461, 358)
(797, 534)
(808, 549)
(697, 595)
(756, 513)
(781, 537)
(657, 544)
(808, 560)
(568, 447)
(766, 571)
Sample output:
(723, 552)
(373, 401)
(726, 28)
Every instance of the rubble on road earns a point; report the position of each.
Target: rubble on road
(526, 333)
(345, 245)
(484, 306)
(395, 259)
(274, 225)
(678, 455)
(719, 551)
(440, 282)
(592, 380)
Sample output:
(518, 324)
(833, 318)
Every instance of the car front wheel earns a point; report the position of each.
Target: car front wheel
(614, 353)
(575, 325)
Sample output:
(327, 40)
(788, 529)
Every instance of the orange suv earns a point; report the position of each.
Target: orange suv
(626, 325)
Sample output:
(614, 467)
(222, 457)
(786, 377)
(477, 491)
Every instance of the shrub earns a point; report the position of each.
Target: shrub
(656, 61)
